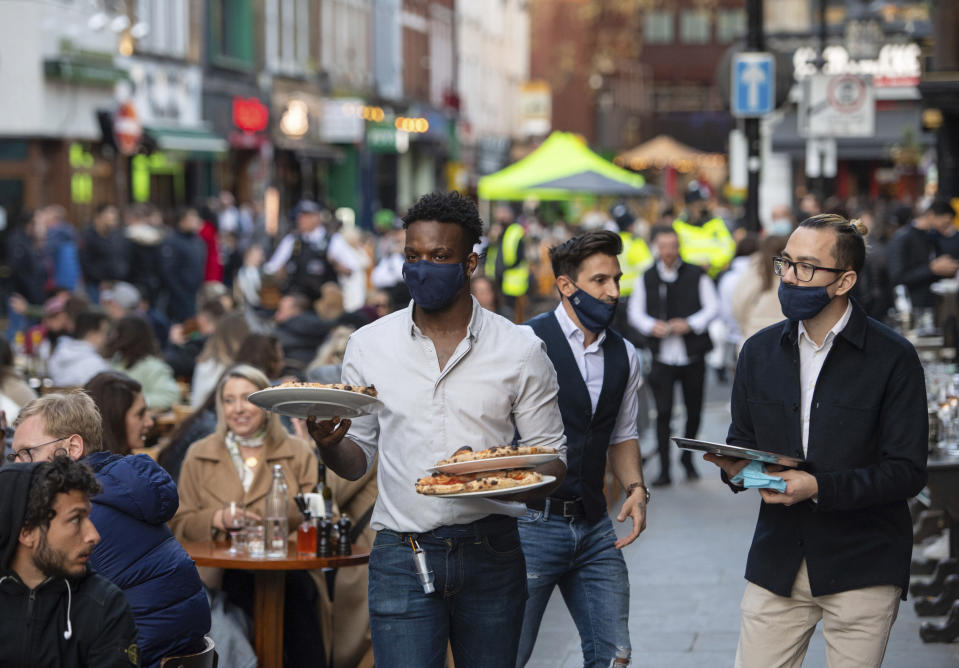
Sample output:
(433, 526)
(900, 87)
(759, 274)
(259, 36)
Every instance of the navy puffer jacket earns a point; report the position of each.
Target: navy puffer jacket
(138, 554)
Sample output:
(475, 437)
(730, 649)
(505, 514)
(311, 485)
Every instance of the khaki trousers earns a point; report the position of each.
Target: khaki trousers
(776, 630)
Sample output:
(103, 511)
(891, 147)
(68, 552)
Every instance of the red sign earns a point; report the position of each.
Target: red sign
(250, 115)
(127, 130)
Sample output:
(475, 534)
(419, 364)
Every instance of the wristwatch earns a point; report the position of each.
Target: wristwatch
(634, 485)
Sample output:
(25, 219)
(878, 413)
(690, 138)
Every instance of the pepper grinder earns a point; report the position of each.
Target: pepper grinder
(343, 546)
(324, 538)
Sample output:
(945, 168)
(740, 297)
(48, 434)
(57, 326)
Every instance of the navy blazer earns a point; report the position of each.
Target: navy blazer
(868, 433)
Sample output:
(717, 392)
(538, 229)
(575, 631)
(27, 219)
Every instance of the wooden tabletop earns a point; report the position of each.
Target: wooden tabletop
(217, 555)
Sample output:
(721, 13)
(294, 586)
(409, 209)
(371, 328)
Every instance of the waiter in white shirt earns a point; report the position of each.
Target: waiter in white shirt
(448, 374)
(672, 305)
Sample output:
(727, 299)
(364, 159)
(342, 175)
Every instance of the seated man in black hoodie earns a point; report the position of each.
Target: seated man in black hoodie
(55, 613)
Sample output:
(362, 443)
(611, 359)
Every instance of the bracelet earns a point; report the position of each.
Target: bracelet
(634, 485)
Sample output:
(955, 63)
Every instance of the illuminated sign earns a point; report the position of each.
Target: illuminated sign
(250, 115)
(896, 65)
(296, 119)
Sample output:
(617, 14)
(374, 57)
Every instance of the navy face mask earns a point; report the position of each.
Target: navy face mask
(594, 314)
(433, 286)
(801, 302)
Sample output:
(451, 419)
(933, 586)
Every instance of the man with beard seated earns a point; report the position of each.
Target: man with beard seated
(53, 611)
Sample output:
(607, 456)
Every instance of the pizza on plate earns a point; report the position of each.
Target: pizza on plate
(466, 453)
(368, 390)
(443, 483)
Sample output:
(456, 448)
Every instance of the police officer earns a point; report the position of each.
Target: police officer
(704, 239)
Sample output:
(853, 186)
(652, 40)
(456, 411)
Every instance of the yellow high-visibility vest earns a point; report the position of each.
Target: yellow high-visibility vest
(489, 267)
(633, 261)
(705, 245)
(515, 281)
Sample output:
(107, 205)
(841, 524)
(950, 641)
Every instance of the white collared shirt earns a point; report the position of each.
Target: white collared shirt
(339, 251)
(811, 359)
(590, 361)
(498, 380)
(672, 349)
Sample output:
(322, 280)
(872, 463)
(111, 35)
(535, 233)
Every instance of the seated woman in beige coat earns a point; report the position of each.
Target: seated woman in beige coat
(235, 463)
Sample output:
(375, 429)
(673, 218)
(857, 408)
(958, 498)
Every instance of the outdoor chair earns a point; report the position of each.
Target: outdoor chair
(207, 658)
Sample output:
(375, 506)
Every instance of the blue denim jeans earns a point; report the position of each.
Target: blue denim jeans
(581, 558)
(477, 606)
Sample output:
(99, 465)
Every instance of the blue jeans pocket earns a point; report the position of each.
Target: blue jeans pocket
(391, 575)
(503, 544)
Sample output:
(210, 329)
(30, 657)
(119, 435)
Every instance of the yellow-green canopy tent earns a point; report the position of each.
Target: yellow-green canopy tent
(561, 168)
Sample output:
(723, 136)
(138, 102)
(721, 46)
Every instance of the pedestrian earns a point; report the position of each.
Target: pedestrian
(448, 373)
(672, 305)
(846, 393)
(55, 613)
(105, 251)
(704, 239)
(568, 538)
(914, 260)
(183, 261)
(311, 256)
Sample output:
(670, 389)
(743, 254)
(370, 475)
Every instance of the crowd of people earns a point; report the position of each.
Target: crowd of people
(132, 320)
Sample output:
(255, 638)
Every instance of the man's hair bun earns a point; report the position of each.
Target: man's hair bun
(859, 226)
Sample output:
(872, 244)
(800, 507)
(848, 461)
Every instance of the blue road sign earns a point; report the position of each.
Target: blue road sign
(754, 84)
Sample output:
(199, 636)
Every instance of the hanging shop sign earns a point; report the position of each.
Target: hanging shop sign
(127, 128)
(897, 65)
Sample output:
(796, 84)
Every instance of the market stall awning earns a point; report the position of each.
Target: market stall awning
(560, 168)
(663, 151)
(187, 139)
(597, 184)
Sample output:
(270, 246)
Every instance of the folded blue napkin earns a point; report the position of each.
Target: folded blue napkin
(754, 475)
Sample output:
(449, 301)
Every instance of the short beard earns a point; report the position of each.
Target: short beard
(52, 563)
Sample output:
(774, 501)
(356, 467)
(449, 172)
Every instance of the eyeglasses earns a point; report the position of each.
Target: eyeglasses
(25, 455)
(803, 270)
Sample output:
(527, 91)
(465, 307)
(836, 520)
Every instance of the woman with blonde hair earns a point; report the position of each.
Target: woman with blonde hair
(218, 353)
(235, 463)
(756, 300)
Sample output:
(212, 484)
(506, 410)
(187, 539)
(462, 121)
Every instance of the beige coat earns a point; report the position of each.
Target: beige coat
(209, 481)
(752, 307)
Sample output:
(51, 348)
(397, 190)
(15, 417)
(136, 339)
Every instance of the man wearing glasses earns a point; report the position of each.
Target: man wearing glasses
(135, 550)
(847, 394)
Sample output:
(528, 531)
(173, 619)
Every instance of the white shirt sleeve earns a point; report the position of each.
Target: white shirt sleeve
(365, 429)
(280, 256)
(636, 308)
(343, 254)
(536, 410)
(709, 309)
(625, 428)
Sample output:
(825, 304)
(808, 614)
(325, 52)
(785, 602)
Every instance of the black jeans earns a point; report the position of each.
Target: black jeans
(662, 380)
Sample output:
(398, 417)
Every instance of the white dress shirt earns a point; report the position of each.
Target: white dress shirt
(498, 380)
(590, 361)
(672, 349)
(811, 358)
(338, 251)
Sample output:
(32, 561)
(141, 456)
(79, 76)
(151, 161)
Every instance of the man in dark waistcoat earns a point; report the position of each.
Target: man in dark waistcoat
(672, 305)
(846, 393)
(568, 538)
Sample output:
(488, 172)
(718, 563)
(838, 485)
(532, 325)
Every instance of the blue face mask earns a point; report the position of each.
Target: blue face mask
(594, 314)
(802, 302)
(433, 286)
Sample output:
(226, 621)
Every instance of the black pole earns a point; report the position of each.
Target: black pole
(754, 42)
(821, 64)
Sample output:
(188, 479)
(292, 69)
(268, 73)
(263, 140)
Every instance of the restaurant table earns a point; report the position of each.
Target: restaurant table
(943, 482)
(269, 586)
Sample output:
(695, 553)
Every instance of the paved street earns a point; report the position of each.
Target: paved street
(686, 573)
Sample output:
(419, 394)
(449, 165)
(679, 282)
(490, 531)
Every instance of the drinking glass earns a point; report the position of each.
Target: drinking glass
(234, 516)
(255, 538)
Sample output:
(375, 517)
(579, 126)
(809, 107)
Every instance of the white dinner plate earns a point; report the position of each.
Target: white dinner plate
(547, 479)
(496, 463)
(323, 402)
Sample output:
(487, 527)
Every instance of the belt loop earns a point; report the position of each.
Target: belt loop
(546, 508)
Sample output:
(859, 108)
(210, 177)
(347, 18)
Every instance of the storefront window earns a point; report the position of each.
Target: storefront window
(81, 181)
(694, 26)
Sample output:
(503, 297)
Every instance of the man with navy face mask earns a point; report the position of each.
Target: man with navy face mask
(448, 373)
(847, 394)
(568, 538)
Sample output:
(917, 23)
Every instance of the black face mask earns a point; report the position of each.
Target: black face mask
(594, 314)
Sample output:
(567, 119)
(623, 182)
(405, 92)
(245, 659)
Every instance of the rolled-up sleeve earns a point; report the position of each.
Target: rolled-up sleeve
(365, 429)
(536, 408)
